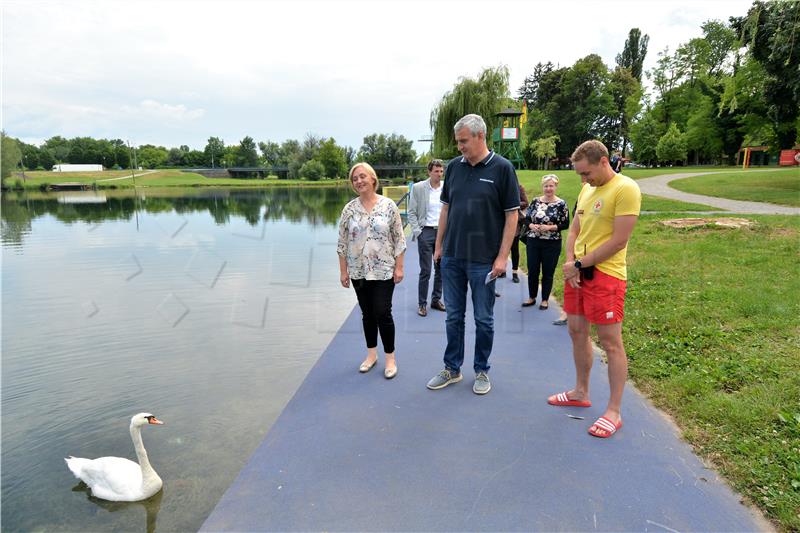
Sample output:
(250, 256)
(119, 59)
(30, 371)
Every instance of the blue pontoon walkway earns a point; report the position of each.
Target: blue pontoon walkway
(355, 452)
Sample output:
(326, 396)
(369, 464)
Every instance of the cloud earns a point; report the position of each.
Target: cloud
(163, 112)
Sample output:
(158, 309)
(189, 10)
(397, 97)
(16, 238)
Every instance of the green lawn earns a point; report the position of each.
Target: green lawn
(778, 186)
(159, 178)
(569, 186)
(712, 331)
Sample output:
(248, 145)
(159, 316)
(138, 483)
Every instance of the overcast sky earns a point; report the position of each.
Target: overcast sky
(176, 72)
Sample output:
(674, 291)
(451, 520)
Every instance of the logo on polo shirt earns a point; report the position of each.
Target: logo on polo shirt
(598, 205)
(487, 181)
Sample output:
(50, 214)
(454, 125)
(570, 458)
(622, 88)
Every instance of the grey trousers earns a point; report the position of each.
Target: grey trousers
(426, 242)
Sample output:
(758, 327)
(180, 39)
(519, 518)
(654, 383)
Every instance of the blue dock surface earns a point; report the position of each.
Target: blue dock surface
(357, 452)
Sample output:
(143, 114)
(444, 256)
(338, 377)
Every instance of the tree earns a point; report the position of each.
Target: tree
(634, 52)
(270, 152)
(544, 149)
(644, 136)
(247, 155)
(703, 136)
(482, 96)
(380, 149)
(672, 145)
(10, 155)
(626, 92)
(215, 151)
(312, 170)
(149, 156)
(666, 76)
(771, 30)
(583, 108)
(332, 158)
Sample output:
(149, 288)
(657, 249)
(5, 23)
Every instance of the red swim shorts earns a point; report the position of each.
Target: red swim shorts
(601, 300)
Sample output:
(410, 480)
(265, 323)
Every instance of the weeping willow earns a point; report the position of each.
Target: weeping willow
(484, 96)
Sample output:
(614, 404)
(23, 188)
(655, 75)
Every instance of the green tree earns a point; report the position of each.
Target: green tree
(771, 31)
(380, 149)
(666, 76)
(59, 148)
(626, 92)
(644, 137)
(312, 170)
(634, 52)
(270, 152)
(544, 149)
(30, 156)
(703, 136)
(482, 96)
(215, 151)
(332, 158)
(10, 155)
(150, 156)
(672, 145)
(247, 156)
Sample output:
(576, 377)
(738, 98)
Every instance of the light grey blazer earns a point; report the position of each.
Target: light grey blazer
(418, 207)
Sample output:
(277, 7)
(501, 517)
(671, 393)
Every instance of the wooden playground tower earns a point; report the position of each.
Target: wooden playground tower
(505, 138)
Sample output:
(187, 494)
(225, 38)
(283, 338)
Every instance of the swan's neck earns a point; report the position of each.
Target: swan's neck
(148, 474)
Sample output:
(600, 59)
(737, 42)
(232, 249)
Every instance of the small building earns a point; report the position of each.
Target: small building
(77, 168)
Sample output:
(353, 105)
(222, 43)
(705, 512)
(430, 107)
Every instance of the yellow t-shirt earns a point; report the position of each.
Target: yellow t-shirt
(597, 207)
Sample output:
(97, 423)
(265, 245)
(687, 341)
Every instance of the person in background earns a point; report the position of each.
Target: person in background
(617, 162)
(595, 274)
(424, 206)
(480, 201)
(546, 217)
(371, 247)
(523, 205)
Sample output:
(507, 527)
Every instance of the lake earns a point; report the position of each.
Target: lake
(204, 307)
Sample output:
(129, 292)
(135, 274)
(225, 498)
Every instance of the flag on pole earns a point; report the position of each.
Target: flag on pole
(524, 118)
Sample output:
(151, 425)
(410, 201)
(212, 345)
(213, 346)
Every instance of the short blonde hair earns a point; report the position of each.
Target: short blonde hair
(549, 177)
(370, 171)
(592, 151)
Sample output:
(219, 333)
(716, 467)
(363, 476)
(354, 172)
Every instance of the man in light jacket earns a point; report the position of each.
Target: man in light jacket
(424, 207)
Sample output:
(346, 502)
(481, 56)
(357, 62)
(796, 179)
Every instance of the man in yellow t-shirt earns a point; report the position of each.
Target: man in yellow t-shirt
(595, 278)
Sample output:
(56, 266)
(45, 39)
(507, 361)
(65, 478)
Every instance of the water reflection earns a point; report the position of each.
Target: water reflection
(151, 505)
(317, 206)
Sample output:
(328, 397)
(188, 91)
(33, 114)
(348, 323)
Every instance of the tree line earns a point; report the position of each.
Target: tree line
(312, 158)
(737, 84)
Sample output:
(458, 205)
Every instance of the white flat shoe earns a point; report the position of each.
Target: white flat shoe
(389, 373)
(366, 366)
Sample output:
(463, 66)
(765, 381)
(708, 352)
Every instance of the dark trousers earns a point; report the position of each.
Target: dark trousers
(515, 253)
(426, 242)
(542, 256)
(375, 300)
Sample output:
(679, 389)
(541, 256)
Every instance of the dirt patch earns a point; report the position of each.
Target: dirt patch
(700, 222)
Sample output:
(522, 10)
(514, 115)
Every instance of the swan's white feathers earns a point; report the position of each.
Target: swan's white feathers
(110, 478)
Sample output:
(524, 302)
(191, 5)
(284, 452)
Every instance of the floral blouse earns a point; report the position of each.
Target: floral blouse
(370, 242)
(540, 212)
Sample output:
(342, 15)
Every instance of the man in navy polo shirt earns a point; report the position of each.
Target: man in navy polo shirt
(480, 200)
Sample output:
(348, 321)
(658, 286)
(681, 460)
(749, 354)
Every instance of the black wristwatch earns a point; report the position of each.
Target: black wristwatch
(577, 264)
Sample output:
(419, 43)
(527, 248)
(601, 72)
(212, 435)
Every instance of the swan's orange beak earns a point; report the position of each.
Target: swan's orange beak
(155, 420)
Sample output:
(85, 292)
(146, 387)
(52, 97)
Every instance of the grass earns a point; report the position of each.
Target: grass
(774, 186)
(160, 178)
(713, 336)
(569, 186)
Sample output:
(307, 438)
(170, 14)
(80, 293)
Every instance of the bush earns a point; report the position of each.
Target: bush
(19, 185)
(312, 170)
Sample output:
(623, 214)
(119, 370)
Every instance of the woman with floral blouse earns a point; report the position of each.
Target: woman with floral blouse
(371, 247)
(546, 217)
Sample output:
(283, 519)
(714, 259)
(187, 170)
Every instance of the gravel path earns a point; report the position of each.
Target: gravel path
(659, 186)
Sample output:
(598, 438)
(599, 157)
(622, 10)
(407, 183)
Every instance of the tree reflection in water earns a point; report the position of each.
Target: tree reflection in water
(315, 205)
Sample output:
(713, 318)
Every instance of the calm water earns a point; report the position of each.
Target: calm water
(206, 308)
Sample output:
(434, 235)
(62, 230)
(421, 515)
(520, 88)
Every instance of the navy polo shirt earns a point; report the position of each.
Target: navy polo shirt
(477, 199)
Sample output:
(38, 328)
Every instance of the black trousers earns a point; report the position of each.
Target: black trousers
(543, 256)
(375, 300)
(515, 253)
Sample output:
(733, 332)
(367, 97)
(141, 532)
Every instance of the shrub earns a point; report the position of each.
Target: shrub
(312, 170)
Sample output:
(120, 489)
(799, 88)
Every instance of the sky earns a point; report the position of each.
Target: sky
(176, 72)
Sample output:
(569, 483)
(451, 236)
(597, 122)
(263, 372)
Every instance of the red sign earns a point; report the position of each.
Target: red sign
(789, 157)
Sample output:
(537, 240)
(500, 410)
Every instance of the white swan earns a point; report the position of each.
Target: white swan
(118, 479)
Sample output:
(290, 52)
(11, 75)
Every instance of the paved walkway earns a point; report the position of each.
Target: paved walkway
(659, 186)
(355, 452)
(146, 172)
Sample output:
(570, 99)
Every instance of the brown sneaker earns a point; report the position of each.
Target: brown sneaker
(438, 305)
(422, 311)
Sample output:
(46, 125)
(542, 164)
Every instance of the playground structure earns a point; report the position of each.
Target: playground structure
(506, 137)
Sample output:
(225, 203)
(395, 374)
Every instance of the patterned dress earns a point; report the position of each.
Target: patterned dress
(370, 241)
